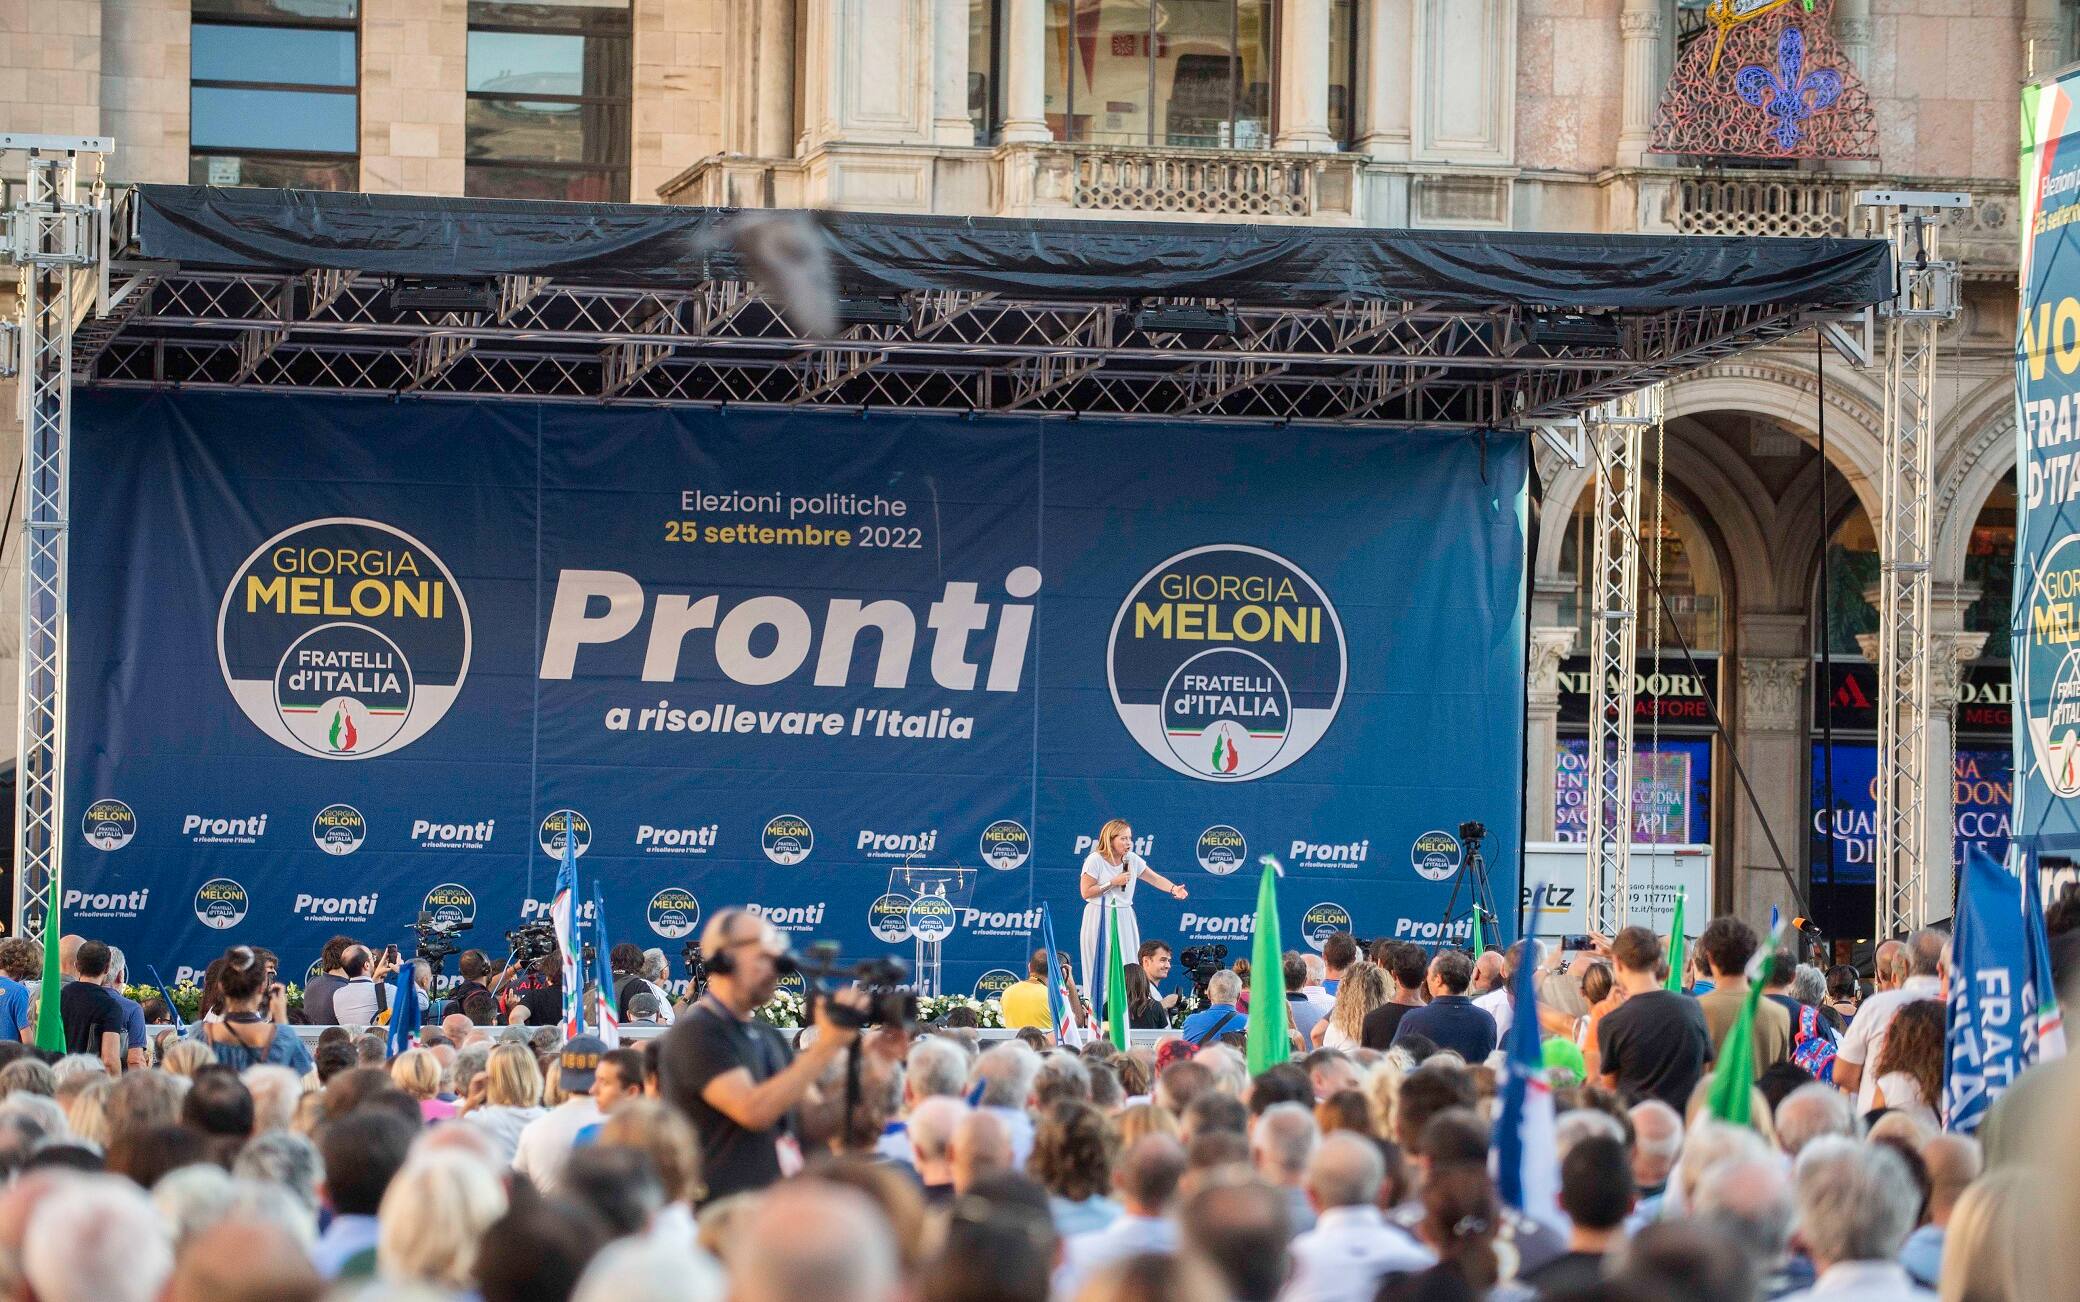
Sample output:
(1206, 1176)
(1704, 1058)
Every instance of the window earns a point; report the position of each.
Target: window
(1688, 568)
(274, 93)
(549, 88)
(1192, 73)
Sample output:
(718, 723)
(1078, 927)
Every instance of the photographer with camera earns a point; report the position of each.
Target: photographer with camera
(476, 969)
(734, 1076)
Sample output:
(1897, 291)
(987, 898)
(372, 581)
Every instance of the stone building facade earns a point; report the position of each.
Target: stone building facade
(1464, 114)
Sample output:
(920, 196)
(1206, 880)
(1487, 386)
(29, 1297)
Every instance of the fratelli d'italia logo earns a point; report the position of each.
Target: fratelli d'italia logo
(888, 917)
(1221, 849)
(566, 824)
(674, 913)
(451, 902)
(343, 638)
(109, 824)
(221, 903)
(931, 918)
(2049, 667)
(1006, 844)
(1435, 855)
(1227, 662)
(339, 829)
(787, 839)
(1323, 921)
(993, 983)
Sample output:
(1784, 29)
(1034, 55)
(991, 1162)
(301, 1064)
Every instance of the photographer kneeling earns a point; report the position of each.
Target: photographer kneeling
(734, 1076)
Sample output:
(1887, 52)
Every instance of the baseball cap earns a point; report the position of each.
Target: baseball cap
(581, 1055)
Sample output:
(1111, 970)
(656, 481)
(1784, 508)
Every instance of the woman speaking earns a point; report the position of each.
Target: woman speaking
(1109, 874)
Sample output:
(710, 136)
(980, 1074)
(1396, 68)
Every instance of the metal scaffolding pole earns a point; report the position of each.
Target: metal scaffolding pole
(1615, 431)
(59, 246)
(1926, 297)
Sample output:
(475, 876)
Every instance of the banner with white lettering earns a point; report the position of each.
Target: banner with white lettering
(2047, 554)
(336, 661)
(2003, 1015)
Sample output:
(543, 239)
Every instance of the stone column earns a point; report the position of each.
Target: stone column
(1948, 654)
(1550, 645)
(1386, 90)
(1643, 28)
(1303, 77)
(951, 124)
(1772, 746)
(1025, 72)
(1852, 27)
(774, 135)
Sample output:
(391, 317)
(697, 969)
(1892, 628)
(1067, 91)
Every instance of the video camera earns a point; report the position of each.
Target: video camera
(532, 941)
(890, 1001)
(436, 937)
(696, 969)
(1200, 962)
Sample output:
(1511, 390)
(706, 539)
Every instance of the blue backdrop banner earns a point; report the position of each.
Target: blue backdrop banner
(336, 661)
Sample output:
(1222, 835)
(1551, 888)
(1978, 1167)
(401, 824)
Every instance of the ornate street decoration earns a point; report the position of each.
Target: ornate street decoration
(1766, 80)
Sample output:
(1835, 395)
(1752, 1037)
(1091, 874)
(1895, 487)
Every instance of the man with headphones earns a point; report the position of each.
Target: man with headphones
(735, 1077)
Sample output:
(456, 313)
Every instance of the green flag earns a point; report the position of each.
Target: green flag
(50, 1023)
(1733, 1080)
(1115, 987)
(1675, 946)
(1265, 1036)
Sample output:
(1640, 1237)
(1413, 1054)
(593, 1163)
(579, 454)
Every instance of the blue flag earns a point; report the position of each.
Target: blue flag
(172, 1010)
(1527, 1160)
(1066, 1028)
(603, 972)
(563, 913)
(2003, 1015)
(404, 1010)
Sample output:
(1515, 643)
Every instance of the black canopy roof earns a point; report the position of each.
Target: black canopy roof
(639, 303)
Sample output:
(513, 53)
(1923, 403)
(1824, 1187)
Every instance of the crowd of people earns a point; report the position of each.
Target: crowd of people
(863, 1161)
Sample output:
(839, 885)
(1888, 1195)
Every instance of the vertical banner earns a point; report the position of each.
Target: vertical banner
(2047, 570)
(338, 661)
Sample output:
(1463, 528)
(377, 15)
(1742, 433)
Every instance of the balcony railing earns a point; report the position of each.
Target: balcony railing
(1983, 237)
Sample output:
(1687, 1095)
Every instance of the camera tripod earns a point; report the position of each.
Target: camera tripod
(1472, 878)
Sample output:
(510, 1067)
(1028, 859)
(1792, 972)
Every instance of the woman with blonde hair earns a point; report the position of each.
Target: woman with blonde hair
(433, 1217)
(183, 1058)
(418, 1073)
(1139, 1119)
(1987, 1254)
(1363, 988)
(512, 1096)
(1110, 873)
(87, 1112)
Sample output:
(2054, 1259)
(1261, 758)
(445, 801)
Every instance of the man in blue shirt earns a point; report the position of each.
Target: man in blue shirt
(14, 1010)
(135, 1050)
(1450, 1020)
(1220, 1016)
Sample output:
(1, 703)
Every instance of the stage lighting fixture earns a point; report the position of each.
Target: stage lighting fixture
(410, 295)
(873, 311)
(1572, 330)
(1186, 319)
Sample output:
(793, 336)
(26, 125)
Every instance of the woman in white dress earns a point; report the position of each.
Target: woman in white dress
(1110, 873)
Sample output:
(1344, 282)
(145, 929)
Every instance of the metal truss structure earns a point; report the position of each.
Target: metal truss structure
(59, 246)
(1926, 297)
(1406, 364)
(102, 312)
(1615, 433)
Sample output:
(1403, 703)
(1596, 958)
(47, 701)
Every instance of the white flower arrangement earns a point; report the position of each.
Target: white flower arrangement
(784, 1009)
(989, 1013)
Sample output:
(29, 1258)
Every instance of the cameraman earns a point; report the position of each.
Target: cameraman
(475, 966)
(734, 1076)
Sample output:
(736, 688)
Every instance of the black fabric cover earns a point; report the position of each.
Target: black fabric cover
(643, 245)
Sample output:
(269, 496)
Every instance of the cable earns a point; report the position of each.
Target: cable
(1718, 725)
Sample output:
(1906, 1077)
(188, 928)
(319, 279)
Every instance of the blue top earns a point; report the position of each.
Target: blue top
(285, 1050)
(14, 1008)
(1199, 1023)
(133, 1021)
(1452, 1022)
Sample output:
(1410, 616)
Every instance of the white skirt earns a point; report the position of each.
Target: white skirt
(1094, 965)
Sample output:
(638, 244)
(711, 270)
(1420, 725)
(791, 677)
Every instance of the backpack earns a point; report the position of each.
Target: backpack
(1813, 1044)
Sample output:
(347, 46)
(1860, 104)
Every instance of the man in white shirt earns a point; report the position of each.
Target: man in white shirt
(1856, 1203)
(1491, 976)
(544, 1147)
(1351, 1246)
(1146, 1181)
(357, 1002)
(1905, 974)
